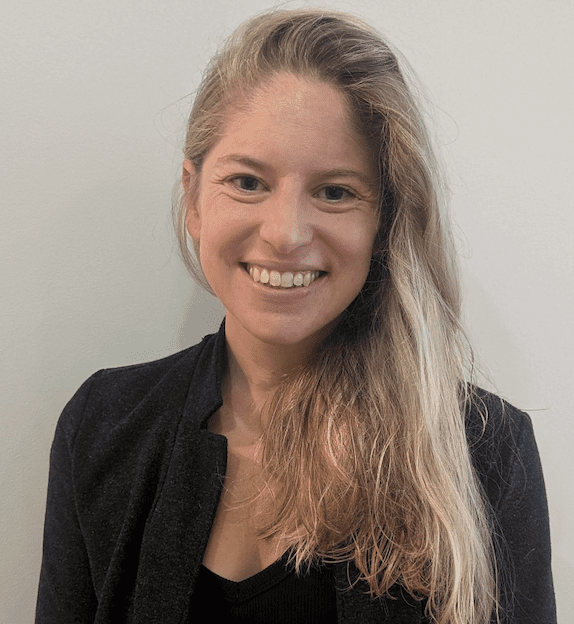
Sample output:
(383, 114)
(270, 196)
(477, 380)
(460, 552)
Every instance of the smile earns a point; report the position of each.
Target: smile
(287, 279)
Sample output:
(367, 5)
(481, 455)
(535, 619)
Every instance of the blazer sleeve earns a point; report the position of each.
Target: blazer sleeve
(522, 517)
(66, 593)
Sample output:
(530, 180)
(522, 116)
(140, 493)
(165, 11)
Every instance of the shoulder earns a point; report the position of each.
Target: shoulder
(502, 444)
(112, 397)
(492, 420)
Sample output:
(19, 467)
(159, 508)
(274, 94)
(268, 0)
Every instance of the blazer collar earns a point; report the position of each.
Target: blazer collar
(204, 393)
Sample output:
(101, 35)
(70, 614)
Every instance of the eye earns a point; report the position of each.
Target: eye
(245, 182)
(335, 193)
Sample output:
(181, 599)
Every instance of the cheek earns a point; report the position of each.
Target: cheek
(359, 248)
(222, 241)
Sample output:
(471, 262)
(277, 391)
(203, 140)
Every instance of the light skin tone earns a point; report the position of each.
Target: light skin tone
(289, 187)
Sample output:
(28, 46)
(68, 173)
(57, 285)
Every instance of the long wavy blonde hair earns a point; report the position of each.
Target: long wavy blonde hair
(366, 446)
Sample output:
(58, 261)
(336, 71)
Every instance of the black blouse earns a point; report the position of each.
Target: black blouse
(276, 595)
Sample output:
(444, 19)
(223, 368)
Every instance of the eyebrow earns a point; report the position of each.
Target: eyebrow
(261, 166)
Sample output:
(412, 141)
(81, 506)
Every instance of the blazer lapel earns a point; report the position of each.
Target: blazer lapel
(178, 528)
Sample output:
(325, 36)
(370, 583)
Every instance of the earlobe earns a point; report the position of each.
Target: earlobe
(190, 189)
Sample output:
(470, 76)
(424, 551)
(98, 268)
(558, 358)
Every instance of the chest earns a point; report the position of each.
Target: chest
(235, 550)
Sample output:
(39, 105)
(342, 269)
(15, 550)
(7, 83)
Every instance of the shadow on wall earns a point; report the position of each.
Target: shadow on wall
(201, 315)
(563, 571)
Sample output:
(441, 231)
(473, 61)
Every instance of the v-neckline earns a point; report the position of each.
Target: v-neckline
(238, 591)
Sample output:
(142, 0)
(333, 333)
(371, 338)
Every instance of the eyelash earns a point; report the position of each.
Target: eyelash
(350, 194)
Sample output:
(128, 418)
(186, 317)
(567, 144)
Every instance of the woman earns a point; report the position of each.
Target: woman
(321, 458)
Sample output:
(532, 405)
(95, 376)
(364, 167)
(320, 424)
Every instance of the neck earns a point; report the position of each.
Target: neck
(255, 368)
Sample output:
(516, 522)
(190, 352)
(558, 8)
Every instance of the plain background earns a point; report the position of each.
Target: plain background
(92, 112)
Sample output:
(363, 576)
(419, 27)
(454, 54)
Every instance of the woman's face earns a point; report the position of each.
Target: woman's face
(285, 213)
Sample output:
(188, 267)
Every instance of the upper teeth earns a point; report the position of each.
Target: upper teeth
(282, 280)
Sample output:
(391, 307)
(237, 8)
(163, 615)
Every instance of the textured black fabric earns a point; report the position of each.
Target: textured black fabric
(135, 479)
(276, 595)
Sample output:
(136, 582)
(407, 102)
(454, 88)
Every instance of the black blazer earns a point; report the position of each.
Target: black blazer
(135, 480)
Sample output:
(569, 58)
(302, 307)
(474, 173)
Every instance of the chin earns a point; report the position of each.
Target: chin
(296, 336)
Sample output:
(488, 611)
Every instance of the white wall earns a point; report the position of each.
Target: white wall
(92, 115)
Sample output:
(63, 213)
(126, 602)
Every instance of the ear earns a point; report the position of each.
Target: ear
(190, 181)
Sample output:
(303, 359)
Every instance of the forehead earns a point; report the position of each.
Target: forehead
(286, 91)
(290, 113)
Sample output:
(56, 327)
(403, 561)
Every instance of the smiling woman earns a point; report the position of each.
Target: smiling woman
(309, 210)
(325, 457)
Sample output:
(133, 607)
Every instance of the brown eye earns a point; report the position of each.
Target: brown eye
(246, 183)
(336, 193)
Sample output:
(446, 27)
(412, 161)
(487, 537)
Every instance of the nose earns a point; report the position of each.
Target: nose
(285, 223)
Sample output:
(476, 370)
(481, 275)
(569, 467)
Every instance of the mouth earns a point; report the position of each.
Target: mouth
(282, 279)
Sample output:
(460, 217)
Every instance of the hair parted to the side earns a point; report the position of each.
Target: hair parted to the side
(366, 451)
